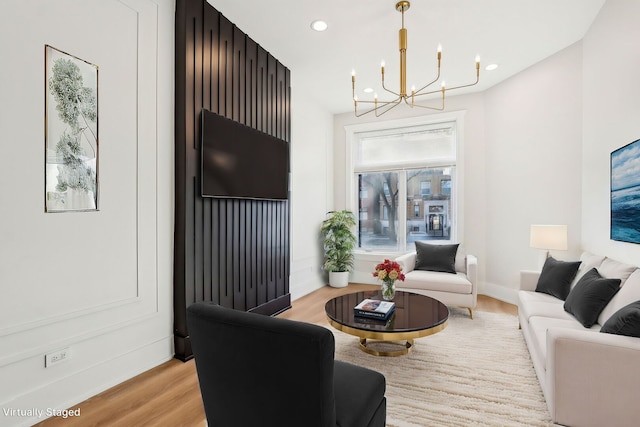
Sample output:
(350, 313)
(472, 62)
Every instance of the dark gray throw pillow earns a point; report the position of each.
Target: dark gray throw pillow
(556, 277)
(436, 257)
(625, 321)
(590, 296)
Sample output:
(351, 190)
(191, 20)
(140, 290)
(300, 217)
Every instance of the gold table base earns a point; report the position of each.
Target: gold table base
(386, 337)
(405, 348)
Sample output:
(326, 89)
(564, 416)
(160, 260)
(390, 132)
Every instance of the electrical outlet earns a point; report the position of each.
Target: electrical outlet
(56, 357)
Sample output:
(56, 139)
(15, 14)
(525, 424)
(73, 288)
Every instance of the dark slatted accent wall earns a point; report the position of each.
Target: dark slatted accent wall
(232, 252)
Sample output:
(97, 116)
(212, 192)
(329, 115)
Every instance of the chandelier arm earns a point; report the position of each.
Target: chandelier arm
(387, 109)
(379, 107)
(429, 107)
(413, 104)
(467, 85)
(380, 103)
(417, 92)
(390, 91)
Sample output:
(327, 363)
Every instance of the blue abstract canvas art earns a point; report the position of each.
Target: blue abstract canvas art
(625, 193)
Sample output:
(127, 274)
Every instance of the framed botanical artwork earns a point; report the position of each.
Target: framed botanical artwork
(71, 133)
(625, 193)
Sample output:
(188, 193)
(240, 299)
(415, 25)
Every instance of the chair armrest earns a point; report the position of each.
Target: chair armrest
(407, 262)
(592, 377)
(529, 280)
(472, 272)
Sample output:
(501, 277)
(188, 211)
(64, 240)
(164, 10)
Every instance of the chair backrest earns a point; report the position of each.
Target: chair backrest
(256, 370)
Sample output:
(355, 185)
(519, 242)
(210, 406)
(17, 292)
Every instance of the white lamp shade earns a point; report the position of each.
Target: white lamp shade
(549, 237)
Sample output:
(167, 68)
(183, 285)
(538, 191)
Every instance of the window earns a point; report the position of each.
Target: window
(425, 188)
(445, 187)
(409, 175)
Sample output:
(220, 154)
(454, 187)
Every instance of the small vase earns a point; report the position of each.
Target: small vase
(388, 290)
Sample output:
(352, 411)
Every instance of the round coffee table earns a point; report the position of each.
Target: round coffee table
(415, 316)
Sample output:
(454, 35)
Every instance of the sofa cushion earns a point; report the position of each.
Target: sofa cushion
(612, 269)
(589, 297)
(587, 262)
(625, 321)
(556, 276)
(628, 293)
(431, 257)
(436, 281)
(539, 326)
(531, 304)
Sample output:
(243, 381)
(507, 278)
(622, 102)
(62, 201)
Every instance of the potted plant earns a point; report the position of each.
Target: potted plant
(339, 242)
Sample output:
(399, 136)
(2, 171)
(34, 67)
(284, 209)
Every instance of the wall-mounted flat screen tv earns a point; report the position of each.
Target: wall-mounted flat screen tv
(240, 162)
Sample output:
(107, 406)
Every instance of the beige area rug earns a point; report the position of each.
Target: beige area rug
(473, 373)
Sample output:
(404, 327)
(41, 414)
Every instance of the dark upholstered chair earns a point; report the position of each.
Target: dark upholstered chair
(256, 370)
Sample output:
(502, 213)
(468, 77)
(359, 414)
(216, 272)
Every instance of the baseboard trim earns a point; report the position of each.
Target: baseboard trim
(71, 390)
(500, 293)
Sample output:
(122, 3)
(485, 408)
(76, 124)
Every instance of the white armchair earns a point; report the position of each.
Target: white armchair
(459, 289)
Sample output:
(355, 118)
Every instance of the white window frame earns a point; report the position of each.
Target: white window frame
(457, 198)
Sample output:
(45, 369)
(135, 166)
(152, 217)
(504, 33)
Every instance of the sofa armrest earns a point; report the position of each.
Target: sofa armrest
(592, 377)
(472, 272)
(529, 280)
(407, 262)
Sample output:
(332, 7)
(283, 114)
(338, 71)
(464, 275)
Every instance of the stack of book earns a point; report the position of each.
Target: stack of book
(375, 309)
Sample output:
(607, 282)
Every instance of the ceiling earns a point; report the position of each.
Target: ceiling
(514, 34)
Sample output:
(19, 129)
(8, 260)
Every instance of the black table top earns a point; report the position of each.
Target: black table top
(413, 312)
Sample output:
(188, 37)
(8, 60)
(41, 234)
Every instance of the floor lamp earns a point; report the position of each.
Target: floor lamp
(548, 237)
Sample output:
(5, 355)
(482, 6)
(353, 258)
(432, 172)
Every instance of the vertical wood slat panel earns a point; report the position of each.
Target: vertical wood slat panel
(231, 252)
(215, 252)
(251, 94)
(250, 271)
(262, 276)
(239, 302)
(261, 125)
(225, 68)
(239, 75)
(272, 65)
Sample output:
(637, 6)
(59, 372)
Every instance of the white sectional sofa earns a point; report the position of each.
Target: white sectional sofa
(588, 378)
(458, 289)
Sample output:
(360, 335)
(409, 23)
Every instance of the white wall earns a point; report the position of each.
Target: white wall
(311, 185)
(98, 283)
(533, 163)
(611, 94)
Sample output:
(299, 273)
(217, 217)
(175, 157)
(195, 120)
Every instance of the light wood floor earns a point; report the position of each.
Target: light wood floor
(168, 395)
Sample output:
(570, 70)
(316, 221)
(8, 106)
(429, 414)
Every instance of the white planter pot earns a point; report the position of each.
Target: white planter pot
(338, 279)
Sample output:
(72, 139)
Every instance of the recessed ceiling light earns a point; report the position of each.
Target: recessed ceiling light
(319, 25)
(491, 67)
(368, 90)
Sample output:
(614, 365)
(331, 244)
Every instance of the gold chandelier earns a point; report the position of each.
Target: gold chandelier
(380, 107)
